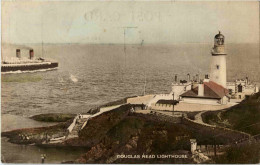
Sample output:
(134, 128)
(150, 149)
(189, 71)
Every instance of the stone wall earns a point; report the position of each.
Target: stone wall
(140, 99)
(190, 107)
(232, 136)
(162, 117)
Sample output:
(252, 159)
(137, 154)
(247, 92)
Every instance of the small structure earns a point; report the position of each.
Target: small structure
(241, 88)
(193, 145)
(179, 88)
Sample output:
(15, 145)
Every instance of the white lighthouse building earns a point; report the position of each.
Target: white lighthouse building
(211, 93)
(218, 66)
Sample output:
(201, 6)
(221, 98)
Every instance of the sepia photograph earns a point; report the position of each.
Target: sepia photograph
(130, 82)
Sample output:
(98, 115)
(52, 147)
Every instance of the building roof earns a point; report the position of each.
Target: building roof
(211, 90)
(218, 89)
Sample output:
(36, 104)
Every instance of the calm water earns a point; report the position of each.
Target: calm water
(13, 153)
(90, 75)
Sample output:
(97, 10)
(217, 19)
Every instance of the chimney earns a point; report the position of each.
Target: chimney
(18, 53)
(176, 78)
(188, 77)
(198, 77)
(201, 89)
(31, 54)
(206, 78)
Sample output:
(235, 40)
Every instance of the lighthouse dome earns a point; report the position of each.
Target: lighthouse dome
(219, 39)
(219, 36)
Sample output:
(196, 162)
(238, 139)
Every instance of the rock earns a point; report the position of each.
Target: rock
(133, 142)
(128, 147)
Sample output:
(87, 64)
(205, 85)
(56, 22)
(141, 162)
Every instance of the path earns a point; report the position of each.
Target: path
(78, 126)
(79, 122)
(198, 118)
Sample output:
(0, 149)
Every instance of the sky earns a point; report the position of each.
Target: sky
(130, 22)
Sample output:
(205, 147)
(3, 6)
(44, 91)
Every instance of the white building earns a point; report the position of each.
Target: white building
(206, 92)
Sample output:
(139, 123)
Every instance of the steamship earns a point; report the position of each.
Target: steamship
(27, 64)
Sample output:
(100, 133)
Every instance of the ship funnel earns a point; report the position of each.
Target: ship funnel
(18, 53)
(31, 54)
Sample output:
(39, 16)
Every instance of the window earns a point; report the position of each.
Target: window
(217, 66)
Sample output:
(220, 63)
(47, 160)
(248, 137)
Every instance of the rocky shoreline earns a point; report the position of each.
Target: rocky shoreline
(37, 135)
(120, 131)
(53, 117)
(98, 136)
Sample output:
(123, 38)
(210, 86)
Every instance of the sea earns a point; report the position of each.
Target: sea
(90, 75)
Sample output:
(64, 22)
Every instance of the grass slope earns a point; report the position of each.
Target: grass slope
(242, 154)
(243, 117)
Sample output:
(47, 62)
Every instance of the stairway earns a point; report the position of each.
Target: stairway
(80, 122)
(76, 129)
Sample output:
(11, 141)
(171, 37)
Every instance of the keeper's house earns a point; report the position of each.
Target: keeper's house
(207, 92)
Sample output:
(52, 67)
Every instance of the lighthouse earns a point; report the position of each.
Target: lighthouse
(218, 66)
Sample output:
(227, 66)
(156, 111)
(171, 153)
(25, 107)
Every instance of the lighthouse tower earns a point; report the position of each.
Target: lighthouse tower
(218, 66)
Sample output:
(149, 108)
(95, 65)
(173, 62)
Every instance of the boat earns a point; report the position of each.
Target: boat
(27, 64)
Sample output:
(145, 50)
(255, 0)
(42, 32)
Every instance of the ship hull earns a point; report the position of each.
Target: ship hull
(28, 67)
